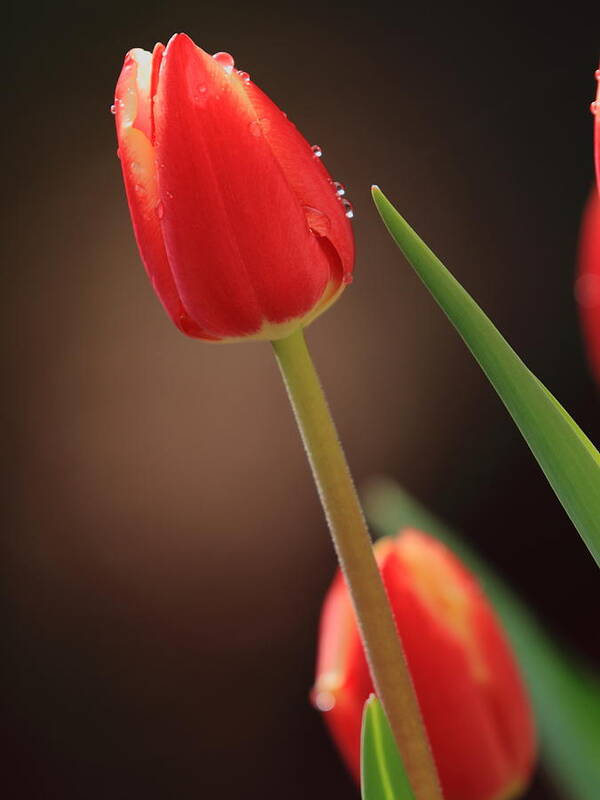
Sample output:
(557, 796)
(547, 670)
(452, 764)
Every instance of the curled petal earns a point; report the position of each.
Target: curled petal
(133, 111)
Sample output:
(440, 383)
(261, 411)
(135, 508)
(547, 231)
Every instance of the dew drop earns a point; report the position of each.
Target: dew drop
(225, 60)
(258, 127)
(119, 153)
(160, 210)
(340, 189)
(317, 152)
(169, 195)
(594, 107)
(597, 74)
(244, 76)
(348, 208)
(185, 325)
(318, 222)
(113, 109)
(200, 96)
(324, 701)
(347, 278)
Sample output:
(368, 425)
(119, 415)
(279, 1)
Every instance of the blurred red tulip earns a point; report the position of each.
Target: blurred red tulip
(241, 229)
(473, 701)
(587, 287)
(596, 112)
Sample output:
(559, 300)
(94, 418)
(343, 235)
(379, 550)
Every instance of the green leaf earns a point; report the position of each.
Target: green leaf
(568, 458)
(383, 776)
(565, 694)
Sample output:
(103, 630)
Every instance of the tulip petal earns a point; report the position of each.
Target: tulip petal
(134, 131)
(470, 693)
(343, 681)
(306, 174)
(237, 238)
(596, 112)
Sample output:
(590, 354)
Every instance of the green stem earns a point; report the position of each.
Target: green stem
(355, 553)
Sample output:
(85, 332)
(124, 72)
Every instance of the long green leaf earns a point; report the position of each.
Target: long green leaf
(564, 693)
(382, 774)
(568, 458)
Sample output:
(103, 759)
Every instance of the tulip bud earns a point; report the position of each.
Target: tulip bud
(473, 702)
(242, 231)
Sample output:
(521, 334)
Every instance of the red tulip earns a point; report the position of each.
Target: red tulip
(241, 229)
(587, 287)
(473, 702)
(596, 112)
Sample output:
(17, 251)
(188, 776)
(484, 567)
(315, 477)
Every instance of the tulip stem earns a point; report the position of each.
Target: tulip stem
(353, 545)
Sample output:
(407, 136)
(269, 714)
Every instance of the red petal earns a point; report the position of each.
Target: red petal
(596, 107)
(343, 681)
(235, 233)
(472, 698)
(134, 123)
(306, 174)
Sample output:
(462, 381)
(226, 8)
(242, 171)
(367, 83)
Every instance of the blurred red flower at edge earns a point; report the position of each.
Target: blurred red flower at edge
(587, 286)
(474, 704)
(242, 231)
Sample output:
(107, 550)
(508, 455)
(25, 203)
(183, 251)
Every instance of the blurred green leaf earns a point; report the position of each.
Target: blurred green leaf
(565, 694)
(383, 776)
(568, 458)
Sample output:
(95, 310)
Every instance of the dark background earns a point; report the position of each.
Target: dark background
(166, 555)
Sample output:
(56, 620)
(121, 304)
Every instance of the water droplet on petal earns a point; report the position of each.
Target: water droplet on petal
(318, 222)
(160, 210)
(597, 74)
(317, 152)
(184, 324)
(340, 189)
(244, 75)
(324, 701)
(225, 60)
(594, 107)
(347, 278)
(200, 96)
(348, 208)
(113, 109)
(258, 127)
(169, 195)
(119, 153)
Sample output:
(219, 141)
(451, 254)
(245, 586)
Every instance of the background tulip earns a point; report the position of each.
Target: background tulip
(473, 702)
(587, 287)
(242, 231)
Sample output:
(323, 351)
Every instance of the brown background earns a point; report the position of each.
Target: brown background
(166, 555)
